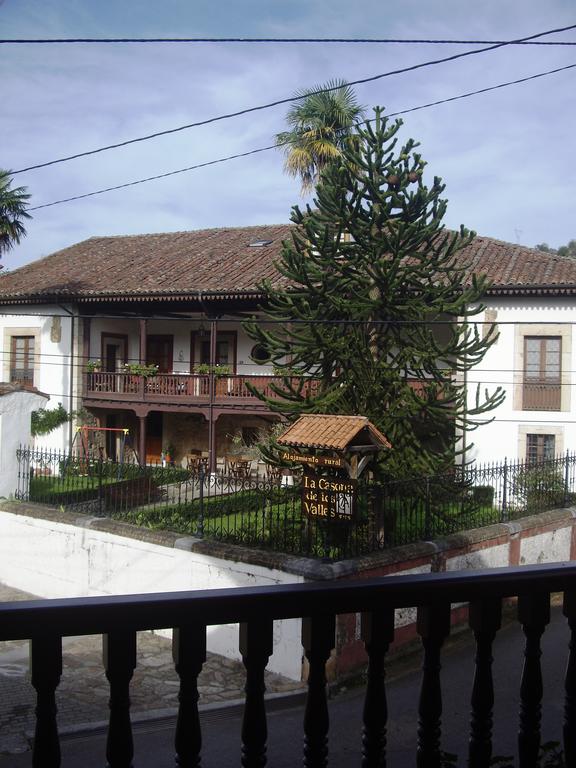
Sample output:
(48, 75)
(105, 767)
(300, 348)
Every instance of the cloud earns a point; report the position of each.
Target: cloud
(497, 153)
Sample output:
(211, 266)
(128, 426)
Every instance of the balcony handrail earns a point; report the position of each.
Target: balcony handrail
(118, 618)
(96, 615)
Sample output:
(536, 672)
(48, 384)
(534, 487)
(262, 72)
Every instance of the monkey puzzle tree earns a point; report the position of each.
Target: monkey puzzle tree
(373, 318)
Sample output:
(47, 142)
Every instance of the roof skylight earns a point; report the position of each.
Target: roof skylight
(259, 243)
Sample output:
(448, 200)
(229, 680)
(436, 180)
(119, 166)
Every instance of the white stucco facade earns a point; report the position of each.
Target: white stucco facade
(504, 365)
(55, 350)
(15, 410)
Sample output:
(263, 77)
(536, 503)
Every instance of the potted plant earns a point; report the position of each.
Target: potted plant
(168, 453)
(94, 366)
(141, 369)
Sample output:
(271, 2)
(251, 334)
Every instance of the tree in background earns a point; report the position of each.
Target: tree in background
(377, 306)
(567, 251)
(320, 126)
(13, 204)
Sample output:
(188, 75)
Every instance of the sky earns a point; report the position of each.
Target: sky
(505, 156)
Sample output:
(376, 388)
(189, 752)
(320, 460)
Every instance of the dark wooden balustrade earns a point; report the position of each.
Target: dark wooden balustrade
(542, 396)
(181, 387)
(117, 619)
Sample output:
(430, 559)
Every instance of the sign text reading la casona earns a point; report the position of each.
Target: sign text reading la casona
(328, 497)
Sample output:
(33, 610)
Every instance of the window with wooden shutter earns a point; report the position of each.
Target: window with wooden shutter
(22, 360)
(542, 389)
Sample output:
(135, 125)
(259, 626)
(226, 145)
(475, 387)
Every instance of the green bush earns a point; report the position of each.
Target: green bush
(48, 419)
(539, 488)
(483, 495)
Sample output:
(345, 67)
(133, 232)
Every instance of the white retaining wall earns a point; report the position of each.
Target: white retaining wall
(55, 560)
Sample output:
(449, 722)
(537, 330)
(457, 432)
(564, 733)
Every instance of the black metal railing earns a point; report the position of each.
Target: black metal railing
(118, 619)
(266, 511)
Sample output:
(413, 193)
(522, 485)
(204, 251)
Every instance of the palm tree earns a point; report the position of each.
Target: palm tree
(320, 125)
(13, 204)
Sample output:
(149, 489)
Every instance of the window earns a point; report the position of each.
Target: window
(114, 351)
(540, 447)
(22, 360)
(160, 352)
(260, 353)
(225, 349)
(542, 372)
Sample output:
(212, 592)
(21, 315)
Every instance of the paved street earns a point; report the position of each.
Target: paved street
(221, 727)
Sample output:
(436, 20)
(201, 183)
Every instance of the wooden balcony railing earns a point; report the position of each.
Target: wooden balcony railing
(179, 386)
(541, 397)
(118, 619)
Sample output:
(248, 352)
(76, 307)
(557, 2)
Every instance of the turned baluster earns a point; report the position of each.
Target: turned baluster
(256, 645)
(377, 633)
(119, 652)
(569, 729)
(433, 626)
(485, 619)
(189, 654)
(534, 615)
(46, 670)
(318, 634)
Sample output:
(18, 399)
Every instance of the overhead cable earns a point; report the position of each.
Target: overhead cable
(275, 146)
(274, 40)
(287, 100)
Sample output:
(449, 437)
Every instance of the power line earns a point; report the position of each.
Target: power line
(276, 146)
(280, 40)
(289, 100)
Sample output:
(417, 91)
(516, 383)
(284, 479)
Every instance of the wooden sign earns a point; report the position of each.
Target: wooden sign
(330, 498)
(313, 461)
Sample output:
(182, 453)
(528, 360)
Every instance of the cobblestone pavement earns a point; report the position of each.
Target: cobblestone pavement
(82, 696)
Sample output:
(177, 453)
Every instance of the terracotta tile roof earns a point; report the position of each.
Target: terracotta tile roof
(8, 388)
(334, 433)
(221, 262)
(176, 263)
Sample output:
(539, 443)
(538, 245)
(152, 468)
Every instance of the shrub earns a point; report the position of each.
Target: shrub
(46, 420)
(539, 488)
(483, 495)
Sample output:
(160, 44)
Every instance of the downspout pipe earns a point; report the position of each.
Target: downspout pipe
(72, 317)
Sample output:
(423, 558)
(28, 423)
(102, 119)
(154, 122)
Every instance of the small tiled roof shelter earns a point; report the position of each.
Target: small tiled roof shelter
(354, 436)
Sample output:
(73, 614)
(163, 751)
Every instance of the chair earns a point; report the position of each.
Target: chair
(272, 472)
(195, 463)
(242, 469)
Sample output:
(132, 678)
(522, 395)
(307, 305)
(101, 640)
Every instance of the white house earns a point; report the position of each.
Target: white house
(86, 325)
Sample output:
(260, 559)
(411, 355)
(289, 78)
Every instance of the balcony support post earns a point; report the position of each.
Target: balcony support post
(142, 440)
(569, 729)
(318, 639)
(484, 618)
(433, 626)
(143, 350)
(377, 633)
(46, 670)
(119, 653)
(212, 383)
(256, 647)
(189, 654)
(534, 615)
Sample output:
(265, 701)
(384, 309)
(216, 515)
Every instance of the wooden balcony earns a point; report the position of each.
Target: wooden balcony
(542, 396)
(179, 388)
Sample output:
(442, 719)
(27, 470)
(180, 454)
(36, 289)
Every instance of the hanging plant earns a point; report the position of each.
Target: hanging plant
(45, 421)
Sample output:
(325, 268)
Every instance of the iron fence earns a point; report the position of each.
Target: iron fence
(268, 513)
